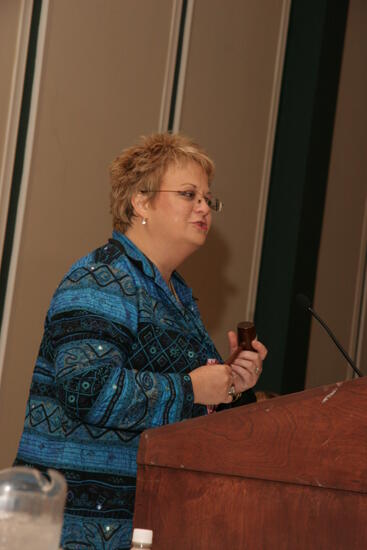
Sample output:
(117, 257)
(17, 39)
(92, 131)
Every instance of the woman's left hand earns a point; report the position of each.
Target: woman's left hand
(247, 366)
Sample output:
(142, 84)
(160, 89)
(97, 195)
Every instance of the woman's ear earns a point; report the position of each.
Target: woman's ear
(140, 204)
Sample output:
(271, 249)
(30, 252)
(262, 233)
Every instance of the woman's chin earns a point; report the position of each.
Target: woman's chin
(198, 241)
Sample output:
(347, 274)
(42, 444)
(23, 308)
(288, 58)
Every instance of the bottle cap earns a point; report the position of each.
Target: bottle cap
(143, 536)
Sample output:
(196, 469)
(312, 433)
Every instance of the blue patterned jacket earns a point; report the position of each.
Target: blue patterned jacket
(114, 360)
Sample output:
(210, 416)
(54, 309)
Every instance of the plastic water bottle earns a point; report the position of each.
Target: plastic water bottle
(142, 538)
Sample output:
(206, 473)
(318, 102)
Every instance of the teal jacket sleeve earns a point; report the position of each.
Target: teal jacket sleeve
(91, 331)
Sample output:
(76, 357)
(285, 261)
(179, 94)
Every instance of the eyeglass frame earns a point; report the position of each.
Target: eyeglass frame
(182, 193)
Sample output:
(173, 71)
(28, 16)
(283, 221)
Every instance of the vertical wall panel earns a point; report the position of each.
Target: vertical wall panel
(230, 104)
(343, 247)
(101, 87)
(15, 20)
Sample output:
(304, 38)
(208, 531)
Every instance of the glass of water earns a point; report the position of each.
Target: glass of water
(31, 508)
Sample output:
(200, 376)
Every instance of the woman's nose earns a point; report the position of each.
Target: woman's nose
(202, 205)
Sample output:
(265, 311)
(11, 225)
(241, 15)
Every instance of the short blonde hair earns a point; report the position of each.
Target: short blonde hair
(142, 167)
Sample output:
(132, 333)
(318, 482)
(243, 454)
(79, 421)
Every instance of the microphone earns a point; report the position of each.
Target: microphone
(304, 303)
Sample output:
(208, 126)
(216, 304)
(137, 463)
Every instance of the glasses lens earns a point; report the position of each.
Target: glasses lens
(215, 204)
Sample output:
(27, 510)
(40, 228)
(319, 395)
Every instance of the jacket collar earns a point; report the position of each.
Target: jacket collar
(146, 266)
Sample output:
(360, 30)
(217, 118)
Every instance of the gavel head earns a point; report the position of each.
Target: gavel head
(246, 333)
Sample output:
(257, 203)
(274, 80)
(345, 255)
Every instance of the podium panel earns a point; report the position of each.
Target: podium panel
(290, 472)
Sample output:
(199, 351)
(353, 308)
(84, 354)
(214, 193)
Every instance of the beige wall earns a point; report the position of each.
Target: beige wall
(230, 105)
(341, 264)
(102, 80)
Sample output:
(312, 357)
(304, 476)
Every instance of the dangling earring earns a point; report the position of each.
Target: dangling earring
(144, 221)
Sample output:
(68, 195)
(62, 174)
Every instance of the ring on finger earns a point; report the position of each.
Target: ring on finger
(232, 391)
(257, 370)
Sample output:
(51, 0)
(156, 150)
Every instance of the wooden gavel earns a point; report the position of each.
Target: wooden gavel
(246, 333)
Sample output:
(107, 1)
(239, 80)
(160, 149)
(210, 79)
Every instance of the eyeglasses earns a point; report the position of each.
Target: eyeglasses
(192, 196)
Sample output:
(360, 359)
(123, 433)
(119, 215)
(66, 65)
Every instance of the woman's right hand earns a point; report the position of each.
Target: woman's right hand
(211, 384)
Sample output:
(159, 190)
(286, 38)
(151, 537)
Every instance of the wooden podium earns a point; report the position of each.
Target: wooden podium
(287, 473)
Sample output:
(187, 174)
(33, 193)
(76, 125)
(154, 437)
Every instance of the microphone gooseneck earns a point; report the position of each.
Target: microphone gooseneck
(305, 304)
(302, 301)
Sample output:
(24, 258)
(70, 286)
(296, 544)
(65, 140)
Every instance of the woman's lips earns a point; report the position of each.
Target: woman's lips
(201, 225)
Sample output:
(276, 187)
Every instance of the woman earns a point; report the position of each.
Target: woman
(124, 348)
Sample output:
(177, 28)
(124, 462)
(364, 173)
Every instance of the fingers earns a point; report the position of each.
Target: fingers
(247, 367)
(212, 383)
(249, 361)
(230, 388)
(233, 341)
(260, 348)
(260, 352)
(245, 377)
